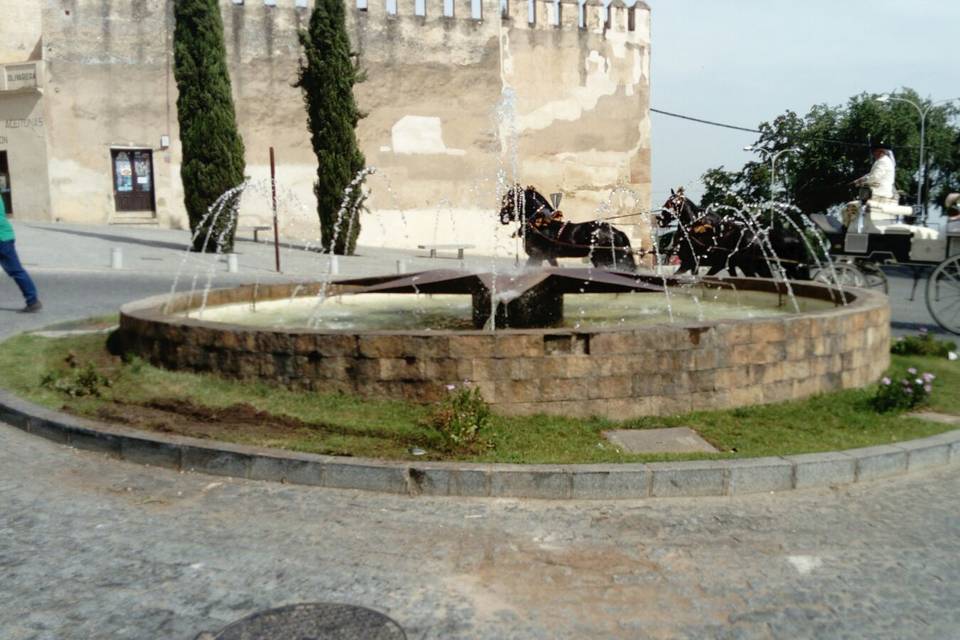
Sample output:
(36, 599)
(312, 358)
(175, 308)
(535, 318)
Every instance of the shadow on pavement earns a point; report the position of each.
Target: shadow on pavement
(157, 244)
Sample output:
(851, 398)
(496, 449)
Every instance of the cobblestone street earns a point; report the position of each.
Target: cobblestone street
(94, 548)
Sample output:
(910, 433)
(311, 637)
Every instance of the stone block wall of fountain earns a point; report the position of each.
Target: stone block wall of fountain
(616, 373)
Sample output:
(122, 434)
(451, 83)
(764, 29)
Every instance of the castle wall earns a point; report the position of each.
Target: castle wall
(459, 107)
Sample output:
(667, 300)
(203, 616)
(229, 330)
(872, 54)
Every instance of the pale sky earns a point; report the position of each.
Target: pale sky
(748, 61)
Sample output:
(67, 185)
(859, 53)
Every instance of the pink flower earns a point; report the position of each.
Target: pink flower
(885, 381)
(929, 377)
(912, 371)
(927, 388)
(907, 390)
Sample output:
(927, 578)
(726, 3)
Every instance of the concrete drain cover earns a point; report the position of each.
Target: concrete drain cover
(672, 440)
(312, 621)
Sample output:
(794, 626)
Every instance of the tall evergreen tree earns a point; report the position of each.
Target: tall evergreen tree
(327, 76)
(212, 161)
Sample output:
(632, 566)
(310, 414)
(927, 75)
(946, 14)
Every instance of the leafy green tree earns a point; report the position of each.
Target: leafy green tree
(213, 150)
(327, 76)
(833, 143)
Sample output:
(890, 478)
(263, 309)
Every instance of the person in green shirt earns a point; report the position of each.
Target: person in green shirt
(11, 264)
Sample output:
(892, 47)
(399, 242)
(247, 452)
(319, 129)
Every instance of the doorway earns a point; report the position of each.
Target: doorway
(5, 183)
(133, 179)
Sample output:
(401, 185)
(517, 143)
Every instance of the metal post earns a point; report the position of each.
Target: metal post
(923, 172)
(276, 224)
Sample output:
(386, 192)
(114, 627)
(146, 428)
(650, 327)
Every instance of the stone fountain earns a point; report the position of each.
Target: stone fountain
(525, 360)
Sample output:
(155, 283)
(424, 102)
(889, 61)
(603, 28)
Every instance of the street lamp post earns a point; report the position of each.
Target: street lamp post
(923, 111)
(773, 164)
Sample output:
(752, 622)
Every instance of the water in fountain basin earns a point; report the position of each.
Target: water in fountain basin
(434, 312)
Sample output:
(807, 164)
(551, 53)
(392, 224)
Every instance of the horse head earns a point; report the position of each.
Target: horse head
(677, 207)
(528, 200)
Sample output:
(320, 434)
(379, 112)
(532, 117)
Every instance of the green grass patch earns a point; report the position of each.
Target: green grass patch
(254, 413)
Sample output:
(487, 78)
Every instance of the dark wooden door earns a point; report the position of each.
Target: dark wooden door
(5, 192)
(133, 179)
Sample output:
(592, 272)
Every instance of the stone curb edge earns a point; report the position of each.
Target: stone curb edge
(550, 482)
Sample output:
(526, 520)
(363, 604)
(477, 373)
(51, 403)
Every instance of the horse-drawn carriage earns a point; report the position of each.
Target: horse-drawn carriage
(878, 235)
(875, 235)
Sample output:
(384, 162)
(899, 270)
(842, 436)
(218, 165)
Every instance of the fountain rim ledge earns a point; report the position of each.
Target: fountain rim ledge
(612, 481)
(151, 309)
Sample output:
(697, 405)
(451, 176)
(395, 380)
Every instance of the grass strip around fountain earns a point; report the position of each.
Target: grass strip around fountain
(254, 413)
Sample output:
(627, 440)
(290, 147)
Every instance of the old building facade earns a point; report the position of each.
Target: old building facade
(462, 96)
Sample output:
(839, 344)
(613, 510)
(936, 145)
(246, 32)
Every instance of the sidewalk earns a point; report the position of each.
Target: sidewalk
(71, 247)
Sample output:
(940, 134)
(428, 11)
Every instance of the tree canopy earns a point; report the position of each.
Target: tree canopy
(833, 148)
(213, 152)
(327, 76)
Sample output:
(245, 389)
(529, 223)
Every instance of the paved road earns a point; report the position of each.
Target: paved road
(95, 548)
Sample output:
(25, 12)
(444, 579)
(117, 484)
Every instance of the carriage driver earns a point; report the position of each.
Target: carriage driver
(880, 180)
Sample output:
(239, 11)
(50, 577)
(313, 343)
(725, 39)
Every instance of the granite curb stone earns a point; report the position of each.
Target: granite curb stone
(552, 482)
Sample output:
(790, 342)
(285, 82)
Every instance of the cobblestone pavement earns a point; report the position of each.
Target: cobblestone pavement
(95, 548)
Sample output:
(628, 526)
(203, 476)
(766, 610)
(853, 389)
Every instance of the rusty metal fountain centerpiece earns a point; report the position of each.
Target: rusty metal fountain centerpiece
(574, 342)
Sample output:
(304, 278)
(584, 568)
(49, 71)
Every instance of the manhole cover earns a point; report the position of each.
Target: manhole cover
(312, 621)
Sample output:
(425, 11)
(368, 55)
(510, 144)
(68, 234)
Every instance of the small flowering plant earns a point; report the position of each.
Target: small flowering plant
(908, 392)
(460, 417)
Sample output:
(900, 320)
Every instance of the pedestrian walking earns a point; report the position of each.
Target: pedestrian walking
(11, 264)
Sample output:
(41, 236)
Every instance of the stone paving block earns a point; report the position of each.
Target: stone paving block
(533, 482)
(879, 462)
(277, 469)
(698, 478)
(98, 442)
(43, 428)
(757, 475)
(601, 482)
(152, 452)
(923, 454)
(665, 440)
(445, 481)
(219, 462)
(822, 469)
(367, 477)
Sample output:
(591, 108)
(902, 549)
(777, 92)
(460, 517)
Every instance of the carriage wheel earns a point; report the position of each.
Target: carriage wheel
(943, 294)
(847, 275)
(874, 277)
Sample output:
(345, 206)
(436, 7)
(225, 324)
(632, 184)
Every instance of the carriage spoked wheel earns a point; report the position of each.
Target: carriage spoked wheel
(943, 294)
(865, 275)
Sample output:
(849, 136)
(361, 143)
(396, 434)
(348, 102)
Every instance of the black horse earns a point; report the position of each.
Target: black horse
(547, 237)
(731, 242)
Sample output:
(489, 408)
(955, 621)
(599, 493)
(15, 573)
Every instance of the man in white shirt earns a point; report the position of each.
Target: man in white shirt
(882, 175)
(882, 208)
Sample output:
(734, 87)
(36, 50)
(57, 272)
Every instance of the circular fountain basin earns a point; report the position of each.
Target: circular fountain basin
(731, 342)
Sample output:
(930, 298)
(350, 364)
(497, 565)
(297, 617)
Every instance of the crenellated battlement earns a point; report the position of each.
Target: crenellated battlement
(568, 15)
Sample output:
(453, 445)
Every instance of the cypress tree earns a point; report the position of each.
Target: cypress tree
(327, 76)
(212, 161)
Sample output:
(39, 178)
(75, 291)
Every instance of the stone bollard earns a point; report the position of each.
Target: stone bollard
(116, 258)
(233, 264)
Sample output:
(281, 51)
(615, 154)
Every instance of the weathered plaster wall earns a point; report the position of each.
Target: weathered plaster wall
(22, 121)
(108, 86)
(20, 30)
(441, 130)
